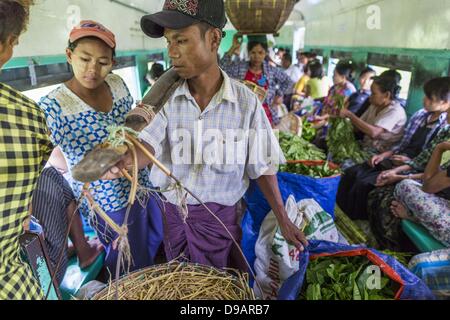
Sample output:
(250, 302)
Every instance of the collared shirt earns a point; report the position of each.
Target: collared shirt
(420, 162)
(417, 121)
(210, 152)
(294, 72)
(278, 79)
(78, 128)
(24, 148)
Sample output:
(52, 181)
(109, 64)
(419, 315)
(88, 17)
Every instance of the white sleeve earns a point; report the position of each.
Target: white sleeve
(155, 133)
(264, 152)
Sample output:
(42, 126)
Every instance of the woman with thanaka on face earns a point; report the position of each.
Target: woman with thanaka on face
(79, 113)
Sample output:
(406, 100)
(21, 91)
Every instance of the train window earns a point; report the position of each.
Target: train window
(331, 67)
(162, 62)
(405, 83)
(37, 94)
(129, 76)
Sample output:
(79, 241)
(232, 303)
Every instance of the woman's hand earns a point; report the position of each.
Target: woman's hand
(388, 177)
(345, 113)
(236, 46)
(443, 146)
(375, 160)
(399, 160)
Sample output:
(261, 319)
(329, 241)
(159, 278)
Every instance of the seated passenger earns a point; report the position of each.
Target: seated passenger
(424, 125)
(318, 85)
(357, 99)
(300, 86)
(278, 105)
(343, 86)
(429, 203)
(383, 123)
(55, 206)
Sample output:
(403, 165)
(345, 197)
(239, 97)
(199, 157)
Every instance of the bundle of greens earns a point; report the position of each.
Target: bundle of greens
(320, 171)
(341, 139)
(308, 131)
(345, 278)
(296, 148)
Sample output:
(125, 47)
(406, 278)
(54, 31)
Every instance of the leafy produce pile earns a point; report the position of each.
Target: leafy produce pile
(296, 148)
(308, 131)
(341, 139)
(320, 171)
(345, 278)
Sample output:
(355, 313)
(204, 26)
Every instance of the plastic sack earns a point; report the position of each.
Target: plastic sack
(434, 269)
(411, 287)
(276, 260)
(323, 191)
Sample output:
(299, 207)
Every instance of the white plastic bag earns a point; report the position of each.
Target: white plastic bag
(276, 260)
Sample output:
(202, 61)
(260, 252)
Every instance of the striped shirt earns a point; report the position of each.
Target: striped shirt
(24, 148)
(175, 132)
(418, 120)
(420, 162)
(77, 128)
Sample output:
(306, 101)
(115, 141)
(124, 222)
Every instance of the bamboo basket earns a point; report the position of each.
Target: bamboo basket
(258, 17)
(180, 281)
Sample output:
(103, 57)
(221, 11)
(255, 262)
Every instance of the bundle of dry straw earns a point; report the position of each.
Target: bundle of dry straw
(180, 281)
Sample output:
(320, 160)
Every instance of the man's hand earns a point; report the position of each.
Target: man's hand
(293, 235)
(399, 160)
(116, 171)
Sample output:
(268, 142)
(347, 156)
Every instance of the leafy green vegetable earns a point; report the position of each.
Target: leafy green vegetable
(345, 278)
(308, 131)
(341, 139)
(296, 148)
(320, 171)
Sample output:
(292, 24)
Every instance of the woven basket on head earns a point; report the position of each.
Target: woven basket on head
(259, 16)
(180, 281)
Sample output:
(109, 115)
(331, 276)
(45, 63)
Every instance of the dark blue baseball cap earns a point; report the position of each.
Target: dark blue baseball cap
(179, 14)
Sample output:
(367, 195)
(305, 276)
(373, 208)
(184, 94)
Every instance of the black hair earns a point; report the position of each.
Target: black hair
(388, 84)
(366, 71)
(393, 74)
(204, 27)
(73, 45)
(13, 18)
(438, 88)
(345, 69)
(316, 69)
(279, 93)
(156, 71)
(288, 57)
(253, 44)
